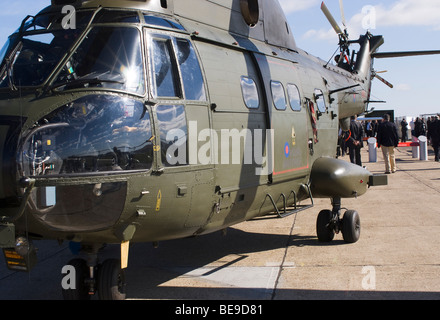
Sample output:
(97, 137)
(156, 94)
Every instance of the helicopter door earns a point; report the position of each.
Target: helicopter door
(287, 117)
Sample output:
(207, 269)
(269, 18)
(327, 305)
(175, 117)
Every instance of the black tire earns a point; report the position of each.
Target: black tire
(351, 226)
(111, 281)
(80, 291)
(324, 233)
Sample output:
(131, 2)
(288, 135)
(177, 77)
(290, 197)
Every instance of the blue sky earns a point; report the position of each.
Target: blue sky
(406, 25)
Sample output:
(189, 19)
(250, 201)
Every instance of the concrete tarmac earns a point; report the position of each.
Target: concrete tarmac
(397, 256)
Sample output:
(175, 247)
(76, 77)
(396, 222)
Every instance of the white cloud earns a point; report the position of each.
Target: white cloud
(290, 6)
(403, 87)
(322, 34)
(410, 13)
(401, 13)
(417, 13)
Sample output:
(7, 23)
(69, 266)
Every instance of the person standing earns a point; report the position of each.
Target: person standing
(412, 125)
(388, 139)
(375, 127)
(355, 141)
(434, 136)
(369, 129)
(404, 126)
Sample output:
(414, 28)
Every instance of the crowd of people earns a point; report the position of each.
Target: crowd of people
(386, 133)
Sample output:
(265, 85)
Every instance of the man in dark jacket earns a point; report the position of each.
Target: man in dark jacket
(388, 139)
(404, 126)
(434, 136)
(354, 141)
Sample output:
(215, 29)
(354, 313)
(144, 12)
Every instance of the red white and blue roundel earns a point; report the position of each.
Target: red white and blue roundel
(287, 149)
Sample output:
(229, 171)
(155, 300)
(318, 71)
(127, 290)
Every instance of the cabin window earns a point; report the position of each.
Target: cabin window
(190, 71)
(320, 101)
(294, 97)
(250, 93)
(164, 69)
(173, 134)
(278, 95)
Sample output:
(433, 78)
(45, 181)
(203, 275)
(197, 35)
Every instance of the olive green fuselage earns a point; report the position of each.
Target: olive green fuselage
(261, 116)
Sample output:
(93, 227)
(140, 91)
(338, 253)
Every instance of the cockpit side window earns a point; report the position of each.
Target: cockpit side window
(164, 68)
(175, 71)
(190, 70)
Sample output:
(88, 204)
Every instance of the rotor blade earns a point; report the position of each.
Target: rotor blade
(341, 6)
(384, 81)
(383, 55)
(330, 18)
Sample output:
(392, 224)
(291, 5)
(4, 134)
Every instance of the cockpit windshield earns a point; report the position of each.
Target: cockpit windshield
(35, 57)
(34, 50)
(96, 133)
(107, 57)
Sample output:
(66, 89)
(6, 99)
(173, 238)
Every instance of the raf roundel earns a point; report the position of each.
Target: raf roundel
(287, 150)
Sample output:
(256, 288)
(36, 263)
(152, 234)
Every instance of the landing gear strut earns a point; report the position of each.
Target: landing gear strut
(329, 223)
(90, 277)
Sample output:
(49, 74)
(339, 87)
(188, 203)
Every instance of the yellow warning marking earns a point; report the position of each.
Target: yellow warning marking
(159, 200)
(125, 245)
(293, 136)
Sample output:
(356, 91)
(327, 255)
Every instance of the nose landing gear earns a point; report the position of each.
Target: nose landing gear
(87, 277)
(329, 223)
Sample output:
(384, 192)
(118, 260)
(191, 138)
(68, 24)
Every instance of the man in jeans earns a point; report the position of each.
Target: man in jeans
(388, 139)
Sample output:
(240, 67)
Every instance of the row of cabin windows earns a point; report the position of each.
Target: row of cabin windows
(172, 120)
(252, 101)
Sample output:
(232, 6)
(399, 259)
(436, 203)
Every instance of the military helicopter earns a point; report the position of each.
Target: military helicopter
(127, 121)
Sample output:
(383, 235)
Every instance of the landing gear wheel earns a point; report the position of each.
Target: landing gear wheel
(324, 232)
(351, 226)
(79, 289)
(111, 281)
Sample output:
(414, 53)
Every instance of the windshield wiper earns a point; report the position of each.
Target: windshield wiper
(71, 84)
